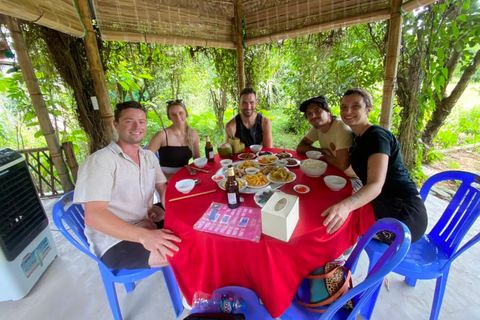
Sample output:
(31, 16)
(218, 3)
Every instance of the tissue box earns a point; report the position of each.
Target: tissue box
(280, 216)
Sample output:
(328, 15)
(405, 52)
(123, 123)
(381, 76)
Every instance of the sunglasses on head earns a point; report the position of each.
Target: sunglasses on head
(174, 102)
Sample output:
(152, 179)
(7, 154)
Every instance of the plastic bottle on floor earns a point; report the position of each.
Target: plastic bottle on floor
(218, 302)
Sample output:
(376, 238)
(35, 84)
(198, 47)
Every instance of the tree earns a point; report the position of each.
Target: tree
(436, 41)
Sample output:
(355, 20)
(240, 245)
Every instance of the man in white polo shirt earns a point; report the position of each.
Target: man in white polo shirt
(116, 187)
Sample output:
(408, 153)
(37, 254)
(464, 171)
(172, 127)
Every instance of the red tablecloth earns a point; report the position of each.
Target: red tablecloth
(272, 268)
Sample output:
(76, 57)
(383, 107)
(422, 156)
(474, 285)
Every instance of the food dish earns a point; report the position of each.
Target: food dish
(262, 196)
(273, 177)
(241, 183)
(292, 162)
(283, 155)
(313, 168)
(266, 160)
(218, 177)
(301, 188)
(264, 153)
(247, 156)
(247, 164)
(257, 181)
(247, 189)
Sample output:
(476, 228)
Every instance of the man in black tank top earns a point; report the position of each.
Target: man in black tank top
(249, 126)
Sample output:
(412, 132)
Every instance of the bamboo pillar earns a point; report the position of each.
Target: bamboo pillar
(394, 37)
(96, 71)
(39, 104)
(239, 43)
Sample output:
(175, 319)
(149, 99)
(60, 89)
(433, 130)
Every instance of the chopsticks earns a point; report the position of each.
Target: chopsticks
(198, 169)
(192, 195)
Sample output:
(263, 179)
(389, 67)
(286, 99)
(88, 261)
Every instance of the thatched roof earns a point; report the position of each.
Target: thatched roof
(208, 23)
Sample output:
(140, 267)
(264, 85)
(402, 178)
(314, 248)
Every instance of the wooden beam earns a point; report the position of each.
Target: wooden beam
(389, 82)
(125, 36)
(239, 42)
(414, 4)
(374, 16)
(96, 71)
(39, 103)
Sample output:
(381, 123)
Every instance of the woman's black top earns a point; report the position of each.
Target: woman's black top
(174, 156)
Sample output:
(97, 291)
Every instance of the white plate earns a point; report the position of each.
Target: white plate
(264, 153)
(221, 184)
(258, 187)
(258, 199)
(249, 190)
(297, 163)
(282, 182)
(296, 187)
(287, 155)
(247, 156)
(270, 159)
(255, 164)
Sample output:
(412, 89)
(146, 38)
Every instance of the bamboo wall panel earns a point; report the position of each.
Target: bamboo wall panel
(55, 14)
(204, 22)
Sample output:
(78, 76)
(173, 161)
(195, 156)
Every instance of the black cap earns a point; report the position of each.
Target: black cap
(321, 100)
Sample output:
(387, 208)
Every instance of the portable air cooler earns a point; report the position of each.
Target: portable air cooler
(26, 244)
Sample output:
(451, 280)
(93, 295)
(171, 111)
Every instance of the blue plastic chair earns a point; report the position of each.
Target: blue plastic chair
(361, 293)
(431, 256)
(253, 309)
(70, 220)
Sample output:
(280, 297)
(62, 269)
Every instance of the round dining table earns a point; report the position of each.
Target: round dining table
(272, 268)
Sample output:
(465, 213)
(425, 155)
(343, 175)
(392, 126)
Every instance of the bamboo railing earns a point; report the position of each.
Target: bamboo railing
(43, 171)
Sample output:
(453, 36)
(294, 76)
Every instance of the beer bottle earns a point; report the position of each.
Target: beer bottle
(233, 196)
(209, 150)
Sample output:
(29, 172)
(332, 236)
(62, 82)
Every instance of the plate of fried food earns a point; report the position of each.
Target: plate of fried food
(283, 155)
(266, 160)
(281, 175)
(257, 181)
(247, 156)
(242, 184)
(247, 164)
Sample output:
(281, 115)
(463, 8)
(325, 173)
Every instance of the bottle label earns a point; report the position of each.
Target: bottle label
(232, 198)
(210, 154)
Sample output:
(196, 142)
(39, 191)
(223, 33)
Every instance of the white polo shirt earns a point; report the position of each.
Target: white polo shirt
(111, 175)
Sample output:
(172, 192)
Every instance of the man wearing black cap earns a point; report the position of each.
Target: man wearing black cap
(334, 137)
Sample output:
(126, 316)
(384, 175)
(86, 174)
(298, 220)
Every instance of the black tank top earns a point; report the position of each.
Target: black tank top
(254, 135)
(174, 156)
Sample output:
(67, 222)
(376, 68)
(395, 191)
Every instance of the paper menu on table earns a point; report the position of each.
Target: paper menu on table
(241, 223)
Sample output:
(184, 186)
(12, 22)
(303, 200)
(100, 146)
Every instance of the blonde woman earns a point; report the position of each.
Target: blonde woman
(177, 143)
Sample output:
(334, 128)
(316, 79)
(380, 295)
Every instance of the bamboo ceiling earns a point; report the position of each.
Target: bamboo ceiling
(208, 23)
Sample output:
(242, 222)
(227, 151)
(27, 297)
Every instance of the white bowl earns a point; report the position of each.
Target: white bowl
(255, 147)
(281, 163)
(200, 162)
(313, 154)
(335, 182)
(185, 185)
(251, 171)
(313, 168)
(225, 163)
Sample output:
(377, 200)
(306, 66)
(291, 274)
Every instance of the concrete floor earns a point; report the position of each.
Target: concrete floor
(71, 288)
